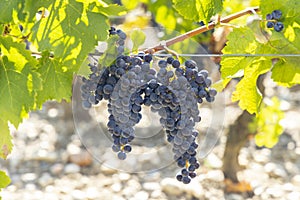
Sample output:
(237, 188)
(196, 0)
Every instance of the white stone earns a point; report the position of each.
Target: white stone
(296, 180)
(215, 175)
(171, 186)
(275, 191)
(56, 169)
(72, 168)
(108, 170)
(293, 195)
(156, 194)
(116, 187)
(194, 188)
(151, 186)
(275, 170)
(28, 177)
(234, 197)
(214, 161)
(78, 195)
(142, 195)
(93, 193)
(124, 176)
(45, 180)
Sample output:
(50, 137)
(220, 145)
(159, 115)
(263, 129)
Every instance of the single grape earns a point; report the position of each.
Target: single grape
(269, 17)
(170, 60)
(115, 148)
(175, 63)
(186, 180)
(122, 155)
(121, 34)
(278, 26)
(127, 148)
(184, 172)
(270, 24)
(179, 177)
(276, 14)
(86, 104)
(192, 174)
(190, 64)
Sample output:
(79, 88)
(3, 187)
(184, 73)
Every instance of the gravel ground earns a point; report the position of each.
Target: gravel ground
(49, 161)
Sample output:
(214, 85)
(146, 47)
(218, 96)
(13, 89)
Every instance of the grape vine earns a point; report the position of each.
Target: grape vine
(173, 92)
(43, 45)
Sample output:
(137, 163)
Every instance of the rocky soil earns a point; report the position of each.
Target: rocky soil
(54, 158)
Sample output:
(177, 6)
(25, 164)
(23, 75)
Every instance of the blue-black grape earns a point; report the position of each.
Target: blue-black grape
(273, 20)
(276, 14)
(173, 92)
(270, 24)
(278, 26)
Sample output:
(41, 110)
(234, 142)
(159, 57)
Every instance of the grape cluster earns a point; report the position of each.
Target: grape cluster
(173, 90)
(273, 20)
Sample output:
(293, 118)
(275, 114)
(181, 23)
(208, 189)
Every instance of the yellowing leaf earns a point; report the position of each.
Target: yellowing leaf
(246, 91)
(5, 180)
(198, 10)
(268, 124)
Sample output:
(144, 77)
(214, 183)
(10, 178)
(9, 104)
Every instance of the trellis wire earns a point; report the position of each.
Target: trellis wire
(218, 55)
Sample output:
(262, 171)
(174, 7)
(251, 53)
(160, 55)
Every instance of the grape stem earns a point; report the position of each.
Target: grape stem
(201, 29)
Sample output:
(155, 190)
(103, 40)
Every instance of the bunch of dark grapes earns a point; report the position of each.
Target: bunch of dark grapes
(273, 20)
(173, 91)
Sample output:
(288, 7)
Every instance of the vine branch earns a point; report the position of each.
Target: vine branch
(201, 29)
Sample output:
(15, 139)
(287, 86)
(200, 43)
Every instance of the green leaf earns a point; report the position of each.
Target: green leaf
(138, 38)
(289, 8)
(71, 31)
(5, 141)
(130, 4)
(111, 10)
(268, 125)
(108, 56)
(56, 79)
(8, 8)
(198, 10)
(16, 80)
(5, 180)
(166, 17)
(286, 72)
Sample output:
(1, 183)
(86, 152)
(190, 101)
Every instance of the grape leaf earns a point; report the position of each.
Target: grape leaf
(71, 31)
(16, 80)
(130, 4)
(243, 41)
(198, 10)
(138, 38)
(267, 124)
(289, 9)
(166, 17)
(108, 56)
(5, 141)
(5, 180)
(246, 91)
(285, 71)
(56, 78)
(8, 7)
